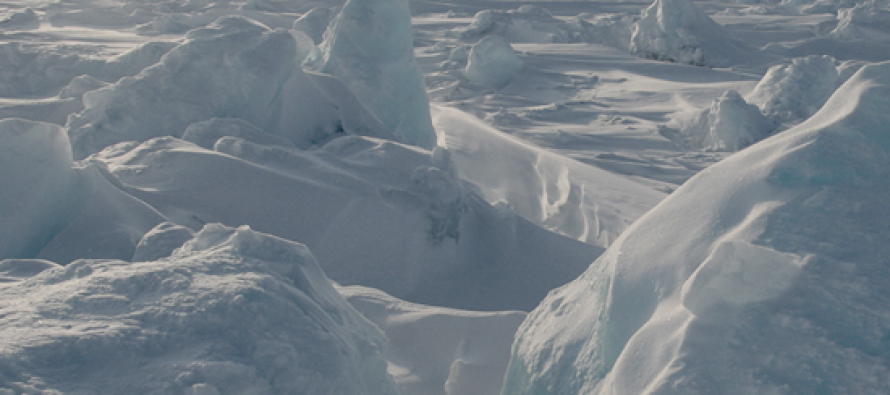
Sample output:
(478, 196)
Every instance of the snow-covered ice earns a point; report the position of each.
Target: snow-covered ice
(492, 62)
(775, 284)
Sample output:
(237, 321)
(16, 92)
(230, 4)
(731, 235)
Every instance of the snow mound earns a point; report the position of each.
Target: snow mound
(869, 20)
(27, 70)
(492, 62)
(370, 48)
(795, 91)
(231, 311)
(233, 68)
(462, 353)
(678, 31)
(776, 285)
(206, 133)
(413, 228)
(729, 124)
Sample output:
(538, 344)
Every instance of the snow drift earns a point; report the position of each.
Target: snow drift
(777, 284)
(230, 311)
(678, 31)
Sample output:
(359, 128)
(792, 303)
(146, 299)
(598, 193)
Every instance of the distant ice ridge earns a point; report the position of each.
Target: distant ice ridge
(233, 68)
(777, 283)
(370, 48)
(678, 31)
(27, 70)
(729, 124)
(535, 24)
(492, 62)
(230, 311)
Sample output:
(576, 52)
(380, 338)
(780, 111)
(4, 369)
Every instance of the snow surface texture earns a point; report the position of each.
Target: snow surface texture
(234, 68)
(678, 31)
(231, 311)
(463, 352)
(729, 124)
(778, 283)
(369, 47)
(414, 230)
(492, 62)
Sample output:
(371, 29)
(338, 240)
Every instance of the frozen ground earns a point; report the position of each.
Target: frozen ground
(127, 127)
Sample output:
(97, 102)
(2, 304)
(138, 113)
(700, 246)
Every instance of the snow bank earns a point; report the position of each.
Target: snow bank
(413, 229)
(795, 91)
(369, 47)
(776, 284)
(233, 68)
(678, 31)
(492, 62)
(435, 350)
(729, 124)
(230, 311)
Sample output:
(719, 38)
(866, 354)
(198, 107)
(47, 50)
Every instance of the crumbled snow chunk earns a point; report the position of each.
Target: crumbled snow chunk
(492, 62)
(793, 92)
(232, 311)
(206, 133)
(370, 48)
(161, 241)
(729, 124)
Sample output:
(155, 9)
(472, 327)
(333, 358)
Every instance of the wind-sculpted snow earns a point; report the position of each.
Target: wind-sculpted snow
(678, 31)
(231, 311)
(778, 282)
(463, 353)
(869, 20)
(234, 68)
(729, 124)
(413, 229)
(369, 47)
(492, 62)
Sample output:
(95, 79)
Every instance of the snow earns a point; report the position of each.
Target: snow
(492, 62)
(782, 245)
(230, 311)
(729, 124)
(678, 31)
(758, 270)
(369, 47)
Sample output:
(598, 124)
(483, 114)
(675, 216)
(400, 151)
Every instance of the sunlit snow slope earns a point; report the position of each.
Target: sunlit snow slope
(766, 273)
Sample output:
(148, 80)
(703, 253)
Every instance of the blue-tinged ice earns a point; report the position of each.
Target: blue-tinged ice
(370, 48)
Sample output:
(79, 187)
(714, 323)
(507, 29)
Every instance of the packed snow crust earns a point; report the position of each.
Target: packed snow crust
(230, 311)
(778, 283)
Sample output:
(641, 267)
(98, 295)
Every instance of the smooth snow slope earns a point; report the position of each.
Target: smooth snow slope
(765, 273)
(232, 311)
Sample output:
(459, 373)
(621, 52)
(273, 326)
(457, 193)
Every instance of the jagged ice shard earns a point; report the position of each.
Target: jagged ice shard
(779, 283)
(369, 47)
